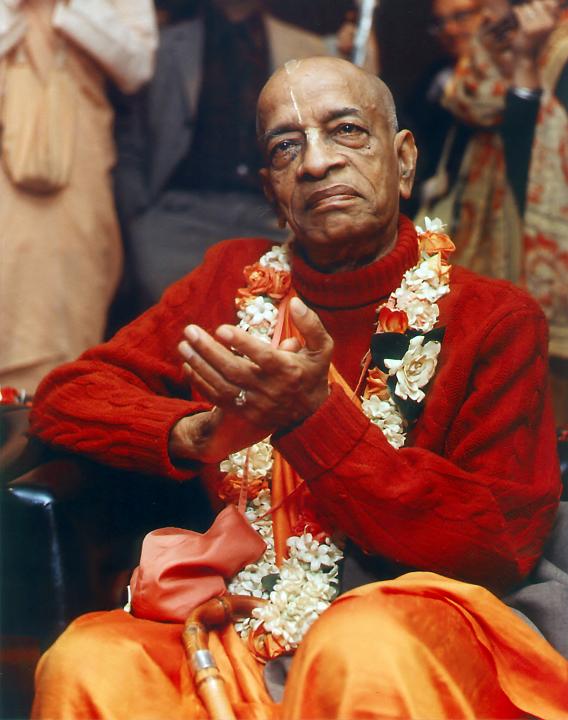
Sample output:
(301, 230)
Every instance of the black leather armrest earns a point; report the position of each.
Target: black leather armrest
(71, 534)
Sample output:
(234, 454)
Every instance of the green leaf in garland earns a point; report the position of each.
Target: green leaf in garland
(269, 581)
(434, 334)
(388, 345)
(409, 409)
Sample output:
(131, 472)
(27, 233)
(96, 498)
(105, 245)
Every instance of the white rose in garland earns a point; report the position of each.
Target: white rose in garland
(415, 369)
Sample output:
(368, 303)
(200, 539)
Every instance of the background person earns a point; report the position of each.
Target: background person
(61, 250)
(528, 47)
(469, 188)
(535, 132)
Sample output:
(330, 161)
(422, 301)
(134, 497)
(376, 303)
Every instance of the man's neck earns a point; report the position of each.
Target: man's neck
(346, 264)
(350, 255)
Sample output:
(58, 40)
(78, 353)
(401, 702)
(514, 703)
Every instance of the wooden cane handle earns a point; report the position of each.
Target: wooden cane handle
(206, 676)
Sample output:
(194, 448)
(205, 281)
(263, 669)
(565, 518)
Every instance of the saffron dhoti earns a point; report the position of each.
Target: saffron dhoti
(418, 646)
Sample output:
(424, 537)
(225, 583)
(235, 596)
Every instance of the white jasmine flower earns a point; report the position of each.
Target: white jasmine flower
(259, 461)
(301, 593)
(431, 225)
(278, 258)
(258, 317)
(385, 414)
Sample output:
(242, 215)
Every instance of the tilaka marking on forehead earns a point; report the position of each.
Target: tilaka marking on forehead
(290, 67)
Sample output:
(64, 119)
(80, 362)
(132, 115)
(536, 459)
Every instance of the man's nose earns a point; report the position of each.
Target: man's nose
(319, 157)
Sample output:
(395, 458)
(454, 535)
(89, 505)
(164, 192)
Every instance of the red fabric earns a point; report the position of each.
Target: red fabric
(180, 569)
(474, 493)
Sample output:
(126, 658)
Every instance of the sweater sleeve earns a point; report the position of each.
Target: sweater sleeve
(121, 35)
(480, 509)
(119, 401)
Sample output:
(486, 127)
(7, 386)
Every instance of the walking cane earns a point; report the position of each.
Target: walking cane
(208, 681)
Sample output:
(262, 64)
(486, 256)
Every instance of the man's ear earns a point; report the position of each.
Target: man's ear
(407, 153)
(270, 196)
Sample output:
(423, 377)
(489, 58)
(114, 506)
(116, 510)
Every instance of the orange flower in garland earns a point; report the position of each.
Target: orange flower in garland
(310, 521)
(433, 241)
(376, 384)
(262, 280)
(264, 645)
(229, 487)
(392, 320)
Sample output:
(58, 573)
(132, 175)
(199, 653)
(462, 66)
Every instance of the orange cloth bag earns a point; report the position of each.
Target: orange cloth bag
(181, 569)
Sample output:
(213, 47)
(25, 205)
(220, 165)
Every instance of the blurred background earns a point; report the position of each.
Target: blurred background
(127, 148)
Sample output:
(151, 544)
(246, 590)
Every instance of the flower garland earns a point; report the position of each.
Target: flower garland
(307, 582)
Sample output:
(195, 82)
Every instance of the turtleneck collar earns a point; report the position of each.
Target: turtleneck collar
(356, 288)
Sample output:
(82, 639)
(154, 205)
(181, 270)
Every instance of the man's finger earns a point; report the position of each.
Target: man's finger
(223, 388)
(232, 368)
(256, 351)
(309, 324)
(200, 386)
(290, 345)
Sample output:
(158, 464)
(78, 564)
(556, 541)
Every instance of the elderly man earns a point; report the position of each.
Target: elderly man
(374, 410)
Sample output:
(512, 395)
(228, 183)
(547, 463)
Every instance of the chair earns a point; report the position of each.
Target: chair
(71, 532)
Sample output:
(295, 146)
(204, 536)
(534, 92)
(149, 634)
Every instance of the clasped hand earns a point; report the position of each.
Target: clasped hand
(282, 386)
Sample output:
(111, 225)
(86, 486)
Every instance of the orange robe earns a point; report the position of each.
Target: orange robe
(420, 646)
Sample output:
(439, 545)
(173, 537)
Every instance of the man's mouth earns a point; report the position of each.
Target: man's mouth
(329, 195)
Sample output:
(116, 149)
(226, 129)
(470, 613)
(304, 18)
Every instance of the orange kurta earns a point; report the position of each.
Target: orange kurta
(418, 646)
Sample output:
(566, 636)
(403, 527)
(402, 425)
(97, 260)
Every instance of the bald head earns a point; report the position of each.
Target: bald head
(335, 162)
(314, 70)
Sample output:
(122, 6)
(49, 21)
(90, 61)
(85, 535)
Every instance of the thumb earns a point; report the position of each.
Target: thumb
(309, 324)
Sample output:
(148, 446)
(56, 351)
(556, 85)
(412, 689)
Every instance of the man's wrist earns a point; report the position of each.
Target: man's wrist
(190, 436)
(526, 73)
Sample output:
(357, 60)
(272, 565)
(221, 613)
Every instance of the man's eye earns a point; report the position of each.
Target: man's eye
(283, 147)
(283, 152)
(350, 134)
(348, 129)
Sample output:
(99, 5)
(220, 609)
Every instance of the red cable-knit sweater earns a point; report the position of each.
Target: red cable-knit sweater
(474, 492)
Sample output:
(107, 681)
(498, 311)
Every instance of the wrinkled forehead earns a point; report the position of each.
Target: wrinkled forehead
(304, 93)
